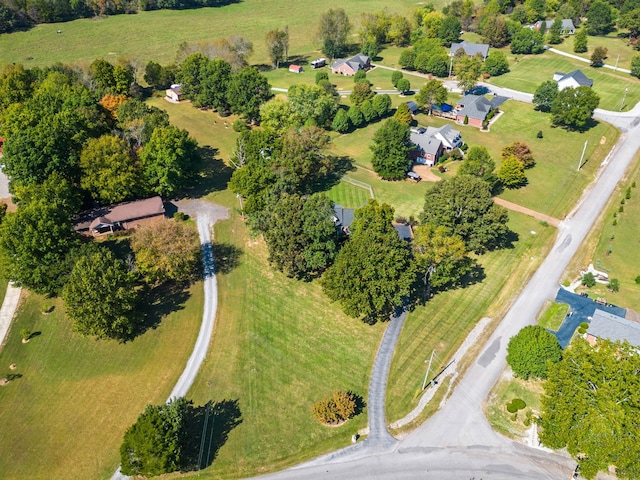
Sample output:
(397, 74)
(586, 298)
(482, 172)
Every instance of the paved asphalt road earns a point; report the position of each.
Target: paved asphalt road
(457, 442)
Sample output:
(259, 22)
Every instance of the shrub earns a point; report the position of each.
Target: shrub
(239, 125)
(335, 409)
(633, 184)
(588, 280)
(321, 75)
(519, 403)
(46, 308)
(621, 209)
(464, 147)
(614, 285)
(180, 216)
(360, 76)
(25, 334)
(584, 325)
(638, 280)
(582, 331)
(539, 134)
(530, 350)
(615, 222)
(395, 76)
(622, 202)
(627, 195)
(511, 408)
(466, 120)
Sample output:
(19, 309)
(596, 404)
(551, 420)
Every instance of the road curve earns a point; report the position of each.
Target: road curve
(458, 442)
(208, 319)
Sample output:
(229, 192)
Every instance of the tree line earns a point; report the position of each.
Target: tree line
(74, 140)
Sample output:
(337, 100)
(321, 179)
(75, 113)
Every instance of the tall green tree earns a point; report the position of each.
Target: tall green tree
(580, 41)
(601, 18)
(449, 30)
(108, 171)
(373, 272)
(432, 92)
(403, 114)
(478, 162)
(590, 407)
(391, 150)
(635, 66)
(299, 233)
(463, 205)
(39, 235)
(381, 104)
(311, 102)
(248, 90)
(361, 93)
(511, 172)
(341, 122)
(468, 71)
(544, 95)
(137, 121)
(169, 160)
(494, 31)
(155, 443)
(441, 258)
(527, 41)
(531, 350)
(496, 63)
(631, 21)
(277, 45)
(574, 107)
(333, 31)
(554, 36)
(100, 296)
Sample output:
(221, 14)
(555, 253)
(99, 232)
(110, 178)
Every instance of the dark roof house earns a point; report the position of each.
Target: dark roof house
(475, 108)
(343, 218)
(351, 66)
(118, 217)
(573, 79)
(470, 49)
(612, 327)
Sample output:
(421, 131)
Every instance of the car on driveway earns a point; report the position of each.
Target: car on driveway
(413, 176)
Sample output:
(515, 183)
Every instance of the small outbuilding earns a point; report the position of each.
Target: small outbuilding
(295, 69)
(174, 93)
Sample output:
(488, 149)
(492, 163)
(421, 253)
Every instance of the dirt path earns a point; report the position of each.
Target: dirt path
(425, 172)
(527, 211)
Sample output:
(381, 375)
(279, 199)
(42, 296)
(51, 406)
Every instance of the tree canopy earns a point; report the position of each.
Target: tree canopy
(573, 107)
(166, 250)
(100, 296)
(590, 407)
(544, 95)
(432, 92)
(463, 205)
(531, 351)
(299, 232)
(391, 150)
(155, 443)
(468, 71)
(333, 31)
(373, 272)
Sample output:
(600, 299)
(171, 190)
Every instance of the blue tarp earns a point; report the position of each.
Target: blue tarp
(445, 107)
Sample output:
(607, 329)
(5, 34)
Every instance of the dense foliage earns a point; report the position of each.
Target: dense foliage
(154, 444)
(100, 296)
(373, 272)
(591, 407)
(337, 408)
(573, 107)
(531, 350)
(390, 150)
(463, 205)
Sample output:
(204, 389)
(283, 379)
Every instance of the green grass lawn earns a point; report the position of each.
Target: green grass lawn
(531, 70)
(554, 183)
(279, 346)
(156, 35)
(617, 250)
(207, 127)
(615, 45)
(348, 194)
(553, 315)
(444, 322)
(504, 392)
(66, 416)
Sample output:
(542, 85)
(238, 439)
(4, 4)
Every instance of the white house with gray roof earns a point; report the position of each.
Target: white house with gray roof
(612, 327)
(432, 142)
(471, 49)
(573, 79)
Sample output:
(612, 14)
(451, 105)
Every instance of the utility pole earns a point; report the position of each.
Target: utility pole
(426, 375)
(624, 97)
(584, 149)
(450, 65)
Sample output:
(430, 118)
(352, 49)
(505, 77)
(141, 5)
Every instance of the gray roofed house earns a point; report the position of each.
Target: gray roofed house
(343, 218)
(470, 49)
(475, 108)
(612, 327)
(413, 107)
(568, 28)
(449, 136)
(350, 66)
(431, 142)
(405, 232)
(573, 79)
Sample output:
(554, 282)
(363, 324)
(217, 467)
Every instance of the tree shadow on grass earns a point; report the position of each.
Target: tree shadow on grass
(208, 429)
(213, 176)
(226, 257)
(341, 165)
(360, 403)
(158, 302)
